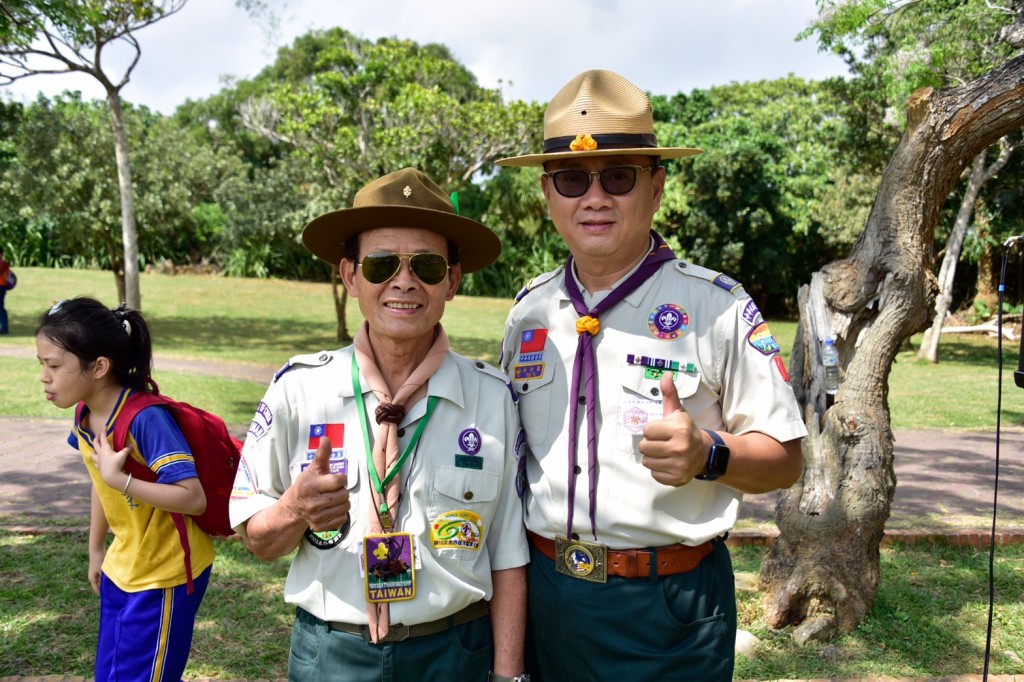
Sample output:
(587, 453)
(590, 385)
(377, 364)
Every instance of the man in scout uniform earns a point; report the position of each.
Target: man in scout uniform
(391, 465)
(653, 396)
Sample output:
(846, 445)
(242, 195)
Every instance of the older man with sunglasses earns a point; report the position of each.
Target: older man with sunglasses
(392, 465)
(653, 396)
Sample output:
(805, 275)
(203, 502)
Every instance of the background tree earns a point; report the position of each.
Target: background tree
(748, 205)
(61, 36)
(896, 47)
(822, 573)
(368, 108)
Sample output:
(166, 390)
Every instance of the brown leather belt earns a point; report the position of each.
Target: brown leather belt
(636, 563)
(398, 632)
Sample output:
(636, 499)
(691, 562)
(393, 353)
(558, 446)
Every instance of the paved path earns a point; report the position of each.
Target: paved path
(945, 479)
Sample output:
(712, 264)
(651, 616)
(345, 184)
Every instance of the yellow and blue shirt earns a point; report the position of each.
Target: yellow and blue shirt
(146, 552)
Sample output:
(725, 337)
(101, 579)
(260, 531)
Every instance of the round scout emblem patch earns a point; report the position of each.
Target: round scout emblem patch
(668, 321)
(469, 441)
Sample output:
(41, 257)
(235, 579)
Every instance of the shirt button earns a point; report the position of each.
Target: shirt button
(524, 387)
(583, 400)
(401, 433)
(468, 495)
(655, 391)
(577, 469)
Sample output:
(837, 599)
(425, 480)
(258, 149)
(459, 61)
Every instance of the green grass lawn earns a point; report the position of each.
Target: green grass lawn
(928, 619)
(264, 322)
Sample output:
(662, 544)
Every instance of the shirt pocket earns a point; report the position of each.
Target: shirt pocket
(534, 386)
(640, 402)
(462, 505)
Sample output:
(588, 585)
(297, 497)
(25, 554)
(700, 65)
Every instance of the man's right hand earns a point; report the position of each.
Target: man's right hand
(318, 496)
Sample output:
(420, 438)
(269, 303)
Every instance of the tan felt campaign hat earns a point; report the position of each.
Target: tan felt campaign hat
(598, 113)
(405, 198)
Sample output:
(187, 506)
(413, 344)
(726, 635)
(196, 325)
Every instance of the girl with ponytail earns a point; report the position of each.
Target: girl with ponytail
(95, 357)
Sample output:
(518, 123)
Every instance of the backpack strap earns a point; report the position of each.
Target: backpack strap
(135, 402)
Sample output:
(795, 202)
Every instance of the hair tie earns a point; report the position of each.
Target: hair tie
(120, 312)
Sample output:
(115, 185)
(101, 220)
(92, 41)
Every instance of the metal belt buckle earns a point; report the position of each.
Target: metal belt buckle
(582, 560)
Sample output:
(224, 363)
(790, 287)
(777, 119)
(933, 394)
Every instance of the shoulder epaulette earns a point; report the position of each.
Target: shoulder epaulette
(307, 360)
(538, 281)
(490, 370)
(720, 280)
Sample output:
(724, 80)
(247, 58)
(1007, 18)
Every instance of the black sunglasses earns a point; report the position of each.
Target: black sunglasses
(614, 180)
(429, 268)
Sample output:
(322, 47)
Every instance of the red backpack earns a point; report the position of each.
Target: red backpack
(216, 455)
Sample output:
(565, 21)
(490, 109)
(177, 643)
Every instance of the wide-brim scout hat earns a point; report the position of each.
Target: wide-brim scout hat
(598, 113)
(405, 198)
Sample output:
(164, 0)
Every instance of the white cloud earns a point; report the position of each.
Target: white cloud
(531, 47)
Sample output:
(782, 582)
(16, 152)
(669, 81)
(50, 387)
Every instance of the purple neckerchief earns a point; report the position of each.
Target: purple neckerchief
(583, 365)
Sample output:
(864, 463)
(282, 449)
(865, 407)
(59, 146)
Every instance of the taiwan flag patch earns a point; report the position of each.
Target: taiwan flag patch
(533, 341)
(336, 432)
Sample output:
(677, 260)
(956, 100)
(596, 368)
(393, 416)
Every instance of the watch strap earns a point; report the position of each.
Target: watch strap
(713, 455)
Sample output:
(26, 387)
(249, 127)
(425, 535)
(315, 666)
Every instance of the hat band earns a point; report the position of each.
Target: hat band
(621, 140)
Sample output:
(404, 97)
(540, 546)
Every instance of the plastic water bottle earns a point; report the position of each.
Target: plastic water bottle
(830, 360)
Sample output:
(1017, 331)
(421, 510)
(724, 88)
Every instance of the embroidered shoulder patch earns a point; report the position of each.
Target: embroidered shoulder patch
(761, 339)
(726, 282)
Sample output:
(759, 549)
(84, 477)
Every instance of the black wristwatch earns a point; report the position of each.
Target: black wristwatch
(718, 458)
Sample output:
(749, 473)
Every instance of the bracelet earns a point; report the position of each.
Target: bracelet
(126, 483)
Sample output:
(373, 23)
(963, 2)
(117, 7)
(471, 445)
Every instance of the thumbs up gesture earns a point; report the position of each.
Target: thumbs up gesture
(673, 447)
(319, 496)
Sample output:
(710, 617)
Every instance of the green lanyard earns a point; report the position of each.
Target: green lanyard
(378, 484)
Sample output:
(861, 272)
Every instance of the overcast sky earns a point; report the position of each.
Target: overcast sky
(528, 47)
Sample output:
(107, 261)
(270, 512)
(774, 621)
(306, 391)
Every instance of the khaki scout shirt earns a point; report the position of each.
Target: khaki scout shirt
(731, 379)
(463, 471)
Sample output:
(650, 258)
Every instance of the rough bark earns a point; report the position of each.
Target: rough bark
(976, 179)
(822, 573)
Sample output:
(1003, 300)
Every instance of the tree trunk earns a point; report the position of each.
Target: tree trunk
(129, 284)
(977, 178)
(823, 570)
(985, 285)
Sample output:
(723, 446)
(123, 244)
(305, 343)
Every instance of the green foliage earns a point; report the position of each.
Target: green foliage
(750, 205)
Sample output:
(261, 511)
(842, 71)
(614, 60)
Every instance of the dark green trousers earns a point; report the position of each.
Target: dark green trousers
(319, 654)
(677, 627)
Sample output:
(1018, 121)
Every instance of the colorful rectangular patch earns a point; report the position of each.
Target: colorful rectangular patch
(533, 340)
(388, 564)
(336, 432)
(458, 529)
(338, 463)
(525, 372)
(660, 363)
